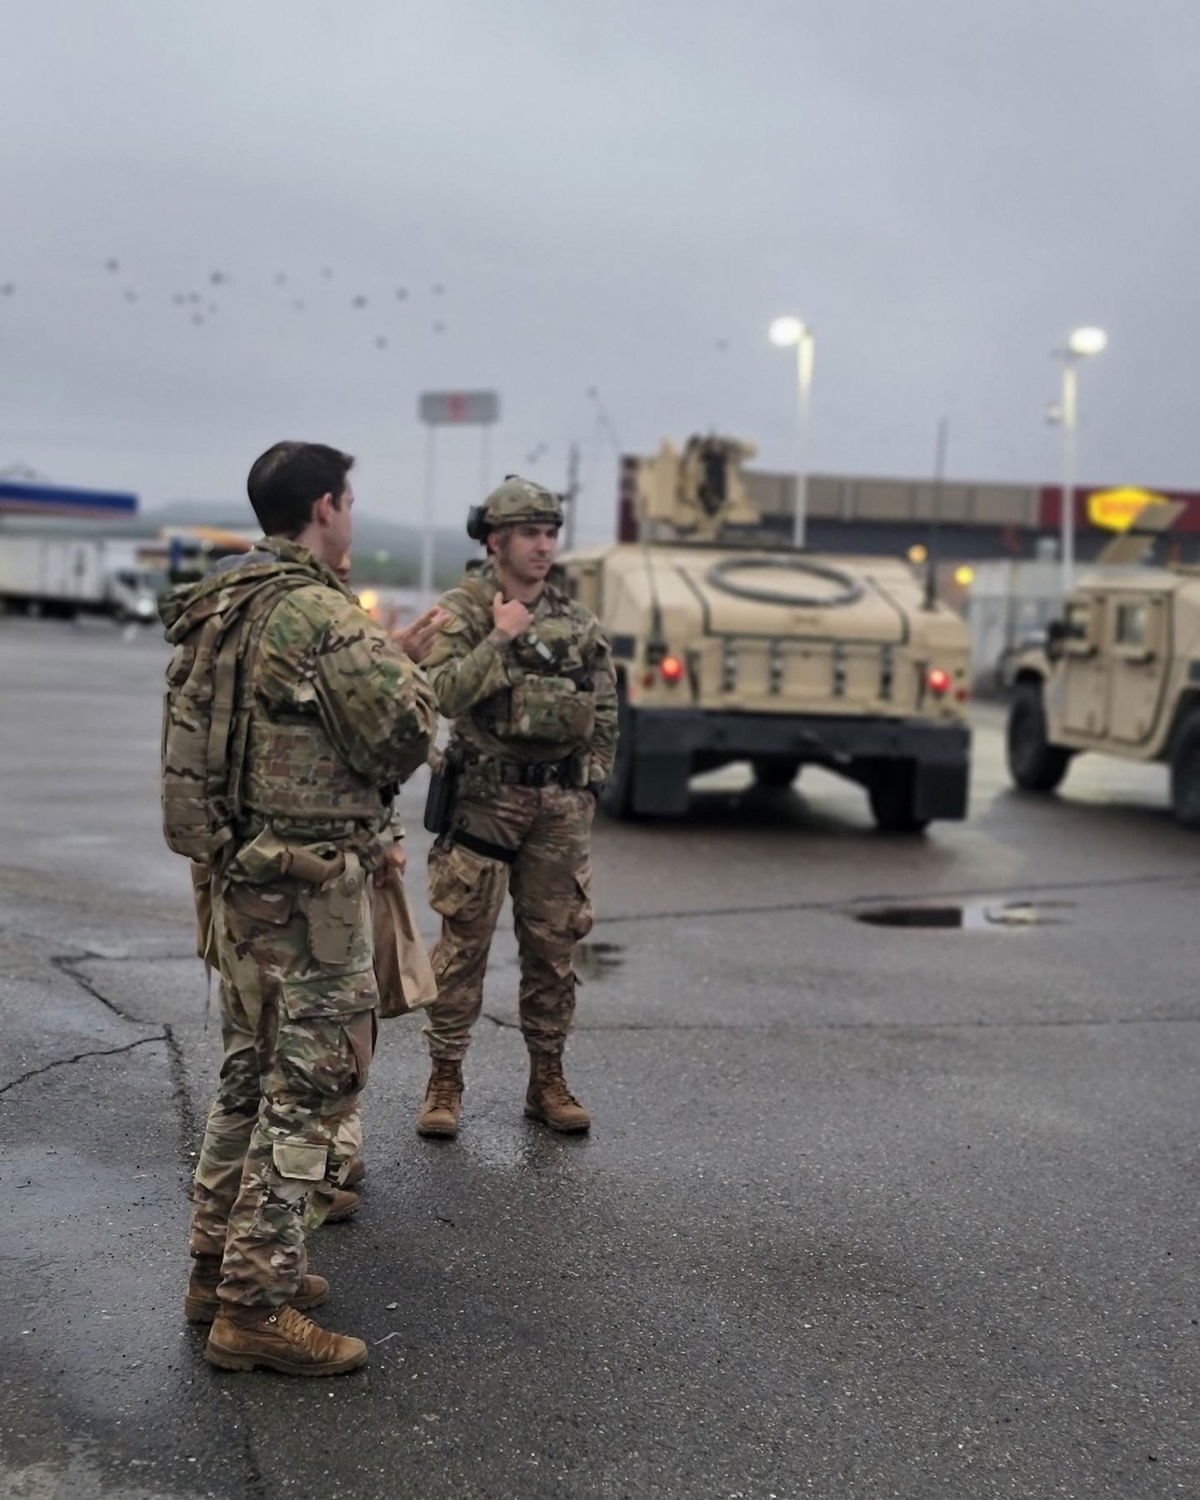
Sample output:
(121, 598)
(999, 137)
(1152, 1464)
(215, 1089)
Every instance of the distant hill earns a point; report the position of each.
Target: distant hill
(384, 551)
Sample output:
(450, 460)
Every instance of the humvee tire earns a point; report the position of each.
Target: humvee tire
(1033, 762)
(1185, 774)
(891, 791)
(773, 774)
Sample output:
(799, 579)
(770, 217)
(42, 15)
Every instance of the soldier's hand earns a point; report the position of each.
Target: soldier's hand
(510, 617)
(394, 858)
(416, 639)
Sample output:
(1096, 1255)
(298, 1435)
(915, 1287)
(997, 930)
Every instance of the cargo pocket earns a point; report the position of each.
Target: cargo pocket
(462, 884)
(581, 914)
(339, 920)
(249, 905)
(303, 1161)
(329, 997)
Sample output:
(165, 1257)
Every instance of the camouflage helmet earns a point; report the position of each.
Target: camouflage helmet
(513, 501)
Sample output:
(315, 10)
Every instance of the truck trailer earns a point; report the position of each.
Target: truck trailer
(62, 576)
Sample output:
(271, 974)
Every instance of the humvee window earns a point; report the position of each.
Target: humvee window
(1079, 622)
(1131, 625)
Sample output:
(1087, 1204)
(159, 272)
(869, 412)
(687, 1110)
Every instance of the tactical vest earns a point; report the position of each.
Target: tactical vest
(220, 758)
(293, 771)
(551, 698)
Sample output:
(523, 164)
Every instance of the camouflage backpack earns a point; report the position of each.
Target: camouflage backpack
(215, 631)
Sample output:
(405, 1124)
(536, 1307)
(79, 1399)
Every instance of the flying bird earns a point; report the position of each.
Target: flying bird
(438, 289)
(401, 294)
(281, 278)
(381, 342)
(112, 264)
(359, 301)
(439, 328)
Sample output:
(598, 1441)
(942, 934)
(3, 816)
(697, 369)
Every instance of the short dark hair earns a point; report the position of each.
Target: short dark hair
(287, 481)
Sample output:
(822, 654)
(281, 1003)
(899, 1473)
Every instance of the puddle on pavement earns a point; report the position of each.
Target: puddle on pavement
(597, 960)
(971, 916)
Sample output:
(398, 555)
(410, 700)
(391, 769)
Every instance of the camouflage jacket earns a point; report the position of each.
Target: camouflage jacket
(548, 695)
(338, 710)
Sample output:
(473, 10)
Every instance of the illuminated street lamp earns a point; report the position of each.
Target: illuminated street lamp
(1080, 344)
(786, 333)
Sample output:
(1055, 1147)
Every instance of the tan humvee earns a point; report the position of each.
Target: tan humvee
(732, 645)
(1119, 673)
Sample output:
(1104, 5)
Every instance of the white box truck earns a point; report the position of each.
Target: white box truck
(62, 576)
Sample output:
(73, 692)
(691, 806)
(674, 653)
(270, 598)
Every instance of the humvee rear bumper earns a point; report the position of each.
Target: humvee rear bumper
(669, 745)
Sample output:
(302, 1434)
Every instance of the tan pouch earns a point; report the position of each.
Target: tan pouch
(339, 934)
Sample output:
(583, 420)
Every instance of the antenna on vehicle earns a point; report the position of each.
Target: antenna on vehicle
(935, 512)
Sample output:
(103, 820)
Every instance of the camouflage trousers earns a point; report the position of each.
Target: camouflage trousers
(550, 881)
(297, 1022)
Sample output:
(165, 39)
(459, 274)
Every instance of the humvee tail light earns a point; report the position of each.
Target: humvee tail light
(938, 680)
(671, 668)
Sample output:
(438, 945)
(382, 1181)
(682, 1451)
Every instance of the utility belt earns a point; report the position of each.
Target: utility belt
(268, 857)
(535, 773)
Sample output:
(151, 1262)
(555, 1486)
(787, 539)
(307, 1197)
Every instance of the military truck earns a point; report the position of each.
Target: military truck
(732, 645)
(1119, 672)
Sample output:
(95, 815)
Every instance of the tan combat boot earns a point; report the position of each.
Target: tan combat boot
(442, 1106)
(549, 1099)
(280, 1338)
(355, 1172)
(345, 1205)
(201, 1303)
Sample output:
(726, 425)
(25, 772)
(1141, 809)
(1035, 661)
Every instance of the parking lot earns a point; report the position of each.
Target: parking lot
(870, 1208)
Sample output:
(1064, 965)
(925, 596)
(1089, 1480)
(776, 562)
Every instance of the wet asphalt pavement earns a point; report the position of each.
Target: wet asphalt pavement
(867, 1211)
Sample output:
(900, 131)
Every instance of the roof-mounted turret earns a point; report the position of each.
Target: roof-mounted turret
(696, 494)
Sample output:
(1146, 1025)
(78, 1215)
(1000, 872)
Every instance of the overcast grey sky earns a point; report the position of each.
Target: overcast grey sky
(613, 194)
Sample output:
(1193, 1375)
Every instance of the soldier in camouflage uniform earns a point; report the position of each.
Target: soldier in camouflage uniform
(336, 711)
(526, 676)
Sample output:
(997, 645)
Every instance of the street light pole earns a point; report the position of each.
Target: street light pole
(786, 332)
(1070, 414)
(1081, 343)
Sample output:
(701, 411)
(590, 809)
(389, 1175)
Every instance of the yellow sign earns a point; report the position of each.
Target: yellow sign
(1117, 509)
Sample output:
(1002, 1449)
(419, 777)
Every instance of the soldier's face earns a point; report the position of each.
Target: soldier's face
(338, 526)
(528, 550)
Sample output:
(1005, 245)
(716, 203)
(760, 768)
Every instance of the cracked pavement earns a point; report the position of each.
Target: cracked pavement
(866, 1212)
